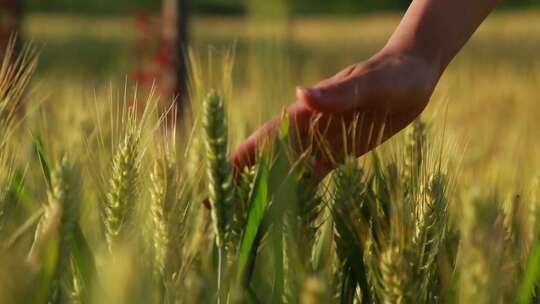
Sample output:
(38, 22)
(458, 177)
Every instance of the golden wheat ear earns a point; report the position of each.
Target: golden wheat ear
(123, 183)
(16, 71)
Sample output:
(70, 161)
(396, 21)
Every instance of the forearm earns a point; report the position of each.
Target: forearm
(438, 29)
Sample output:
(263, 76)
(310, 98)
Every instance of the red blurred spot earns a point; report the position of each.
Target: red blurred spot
(142, 19)
(318, 164)
(163, 58)
(321, 167)
(142, 76)
(207, 204)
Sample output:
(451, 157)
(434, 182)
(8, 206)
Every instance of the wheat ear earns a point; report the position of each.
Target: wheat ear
(122, 191)
(350, 225)
(60, 219)
(163, 198)
(218, 168)
(414, 154)
(219, 175)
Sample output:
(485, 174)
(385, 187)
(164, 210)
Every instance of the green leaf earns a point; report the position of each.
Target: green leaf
(348, 288)
(284, 127)
(251, 297)
(277, 260)
(380, 188)
(84, 260)
(47, 272)
(258, 201)
(17, 188)
(38, 147)
(284, 197)
(532, 275)
(26, 227)
(321, 247)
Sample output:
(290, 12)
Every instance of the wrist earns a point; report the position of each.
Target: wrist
(430, 55)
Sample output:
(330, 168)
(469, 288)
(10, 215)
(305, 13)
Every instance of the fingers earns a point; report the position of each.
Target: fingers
(245, 155)
(337, 94)
(330, 139)
(300, 119)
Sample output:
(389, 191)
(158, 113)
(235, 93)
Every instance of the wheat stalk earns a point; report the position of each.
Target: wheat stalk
(533, 220)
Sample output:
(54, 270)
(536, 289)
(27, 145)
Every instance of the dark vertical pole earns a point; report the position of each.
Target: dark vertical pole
(176, 37)
(10, 23)
(181, 50)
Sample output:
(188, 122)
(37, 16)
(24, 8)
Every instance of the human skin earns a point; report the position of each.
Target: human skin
(385, 93)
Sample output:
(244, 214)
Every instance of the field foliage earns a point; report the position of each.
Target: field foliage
(107, 197)
(116, 201)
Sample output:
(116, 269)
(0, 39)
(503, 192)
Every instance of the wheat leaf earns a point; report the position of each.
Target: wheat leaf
(38, 147)
(84, 259)
(258, 201)
(532, 275)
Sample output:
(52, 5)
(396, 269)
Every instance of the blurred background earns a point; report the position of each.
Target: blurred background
(487, 100)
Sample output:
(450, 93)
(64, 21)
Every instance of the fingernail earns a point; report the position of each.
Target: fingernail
(300, 91)
(315, 93)
(312, 92)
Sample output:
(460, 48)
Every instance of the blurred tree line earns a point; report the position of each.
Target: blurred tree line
(235, 7)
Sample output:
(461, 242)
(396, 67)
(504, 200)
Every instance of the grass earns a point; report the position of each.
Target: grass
(378, 230)
(270, 61)
(102, 200)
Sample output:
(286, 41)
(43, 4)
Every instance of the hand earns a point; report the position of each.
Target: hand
(373, 100)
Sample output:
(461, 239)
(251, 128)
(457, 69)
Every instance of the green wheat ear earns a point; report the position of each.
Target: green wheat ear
(63, 210)
(239, 217)
(220, 181)
(414, 152)
(310, 207)
(218, 168)
(163, 193)
(65, 184)
(397, 276)
(431, 219)
(65, 190)
(430, 231)
(122, 192)
(348, 212)
(159, 180)
(481, 252)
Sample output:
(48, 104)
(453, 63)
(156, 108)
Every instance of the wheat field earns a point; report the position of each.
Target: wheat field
(106, 198)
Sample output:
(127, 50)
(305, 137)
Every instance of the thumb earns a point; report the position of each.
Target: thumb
(335, 95)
